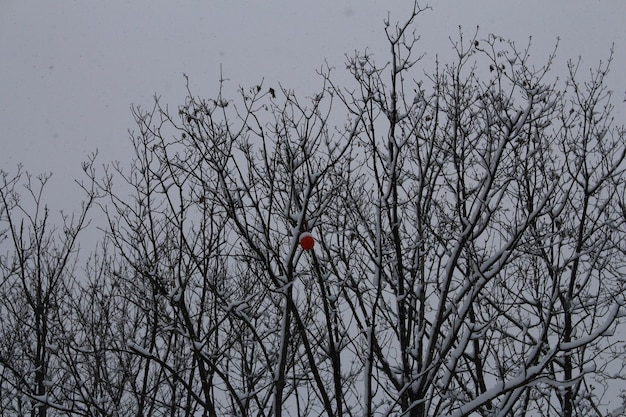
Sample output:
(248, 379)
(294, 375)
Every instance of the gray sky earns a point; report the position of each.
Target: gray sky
(69, 70)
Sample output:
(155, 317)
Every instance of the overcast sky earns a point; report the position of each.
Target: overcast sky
(69, 70)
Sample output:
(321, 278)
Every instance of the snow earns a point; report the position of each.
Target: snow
(43, 399)
(139, 349)
(498, 389)
(602, 330)
(176, 294)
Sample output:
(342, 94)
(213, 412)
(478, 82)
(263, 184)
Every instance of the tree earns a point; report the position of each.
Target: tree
(468, 231)
(492, 241)
(210, 243)
(468, 256)
(37, 275)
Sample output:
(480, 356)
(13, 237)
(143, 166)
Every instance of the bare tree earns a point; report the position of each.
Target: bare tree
(37, 274)
(468, 228)
(489, 233)
(210, 242)
(468, 233)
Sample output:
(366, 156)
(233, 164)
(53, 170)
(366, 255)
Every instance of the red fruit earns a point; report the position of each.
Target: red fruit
(307, 241)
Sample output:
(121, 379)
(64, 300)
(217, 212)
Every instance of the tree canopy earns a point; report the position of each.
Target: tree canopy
(468, 227)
